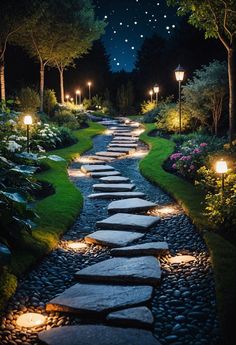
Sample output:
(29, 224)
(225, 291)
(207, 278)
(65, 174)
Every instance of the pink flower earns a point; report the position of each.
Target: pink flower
(174, 166)
(192, 167)
(197, 151)
(185, 158)
(175, 156)
(203, 144)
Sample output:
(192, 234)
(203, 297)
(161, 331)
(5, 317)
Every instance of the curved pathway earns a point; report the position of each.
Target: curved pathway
(182, 306)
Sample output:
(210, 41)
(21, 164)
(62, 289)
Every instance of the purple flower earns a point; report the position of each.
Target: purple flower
(185, 158)
(175, 156)
(197, 151)
(174, 166)
(192, 167)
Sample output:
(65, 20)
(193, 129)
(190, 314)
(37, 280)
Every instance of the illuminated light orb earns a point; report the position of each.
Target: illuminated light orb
(30, 320)
(181, 259)
(77, 245)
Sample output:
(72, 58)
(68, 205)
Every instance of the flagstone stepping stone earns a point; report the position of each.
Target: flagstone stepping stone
(130, 205)
(105, 174)
(124, 145)
(114, 179)
(96, 298)
(121, 149)
(110, 154)
(138, 270)
(132, 317)
(128, 221)
(101, 158)
(97, 334)
(126, 134)
(117, 195)
(114, 187)
(112, 238)
(126, 138)
(96, 168)
(152, 248)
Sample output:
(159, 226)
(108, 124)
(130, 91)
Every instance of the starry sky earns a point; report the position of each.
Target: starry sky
(129, 23)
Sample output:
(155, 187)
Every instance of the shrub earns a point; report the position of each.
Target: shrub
(29, 100)
(49, 101)
(147, 106)
(169, 118)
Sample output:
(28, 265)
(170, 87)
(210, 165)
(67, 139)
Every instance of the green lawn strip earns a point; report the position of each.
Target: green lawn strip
(223, 253)
(57, 212)
(187, 195)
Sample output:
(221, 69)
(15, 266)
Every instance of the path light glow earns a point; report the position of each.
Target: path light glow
(30, 320)
(28, 121)
(222, 168)
(181, 259)
(77, 245)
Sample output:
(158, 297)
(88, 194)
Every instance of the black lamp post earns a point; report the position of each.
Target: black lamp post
(179, 75)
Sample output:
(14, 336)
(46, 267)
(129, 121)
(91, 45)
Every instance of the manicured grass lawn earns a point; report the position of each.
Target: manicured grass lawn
(223, 253)
(57, 212)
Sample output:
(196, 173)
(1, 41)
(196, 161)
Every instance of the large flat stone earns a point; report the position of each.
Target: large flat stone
(105, 174)
(128, 221)
(96, 168)
(102, 158)
(152, 248)
(97, 335)
(132, 317)
(114, 179)
(112, 238)
(140, 270)
(117, 195)
(119, 138)
(113, 187)
(130, 205)
(96, 298)
(124, 145)
(123, 142)
(129, 134)
(121, 149)
(110, 154)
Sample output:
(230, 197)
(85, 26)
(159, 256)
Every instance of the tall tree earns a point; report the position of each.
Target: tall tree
(218, 19)
(76, 28)
(13, 16)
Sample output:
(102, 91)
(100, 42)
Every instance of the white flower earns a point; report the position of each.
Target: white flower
(11, 122)
(12, 146)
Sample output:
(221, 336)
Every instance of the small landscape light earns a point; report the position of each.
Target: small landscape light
(30, 320)
(28, 121)
(221, 168)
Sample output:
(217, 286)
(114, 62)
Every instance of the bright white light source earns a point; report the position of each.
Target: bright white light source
(179, 259)
(221, 167)
(77, 245)
(28, 120)
(30, 320)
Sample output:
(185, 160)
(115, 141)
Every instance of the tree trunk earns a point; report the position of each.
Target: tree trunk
(42, 70)
(61, 71)
(2, 80)
(232, 93)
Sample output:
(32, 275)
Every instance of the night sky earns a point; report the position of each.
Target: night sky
(129, 22)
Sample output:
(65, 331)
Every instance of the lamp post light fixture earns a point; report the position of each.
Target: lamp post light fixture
(89, 87)
(156, 90)
(221, 168)
(67, 98)
(179, 75)
(72, 99)
(78, 93)
(28, 121)
(151, 94)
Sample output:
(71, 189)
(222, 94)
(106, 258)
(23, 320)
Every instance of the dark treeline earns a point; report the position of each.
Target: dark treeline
(156, 61)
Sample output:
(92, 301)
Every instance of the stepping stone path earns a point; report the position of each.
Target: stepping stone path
(117, 195)
(97, 335)
(99, 298)
(112, 238)
(111, 296)
(114, 179)
(110, 187)
(128, 221)
(139, 270)
(130, 205)
(152, 248)
(135, 317)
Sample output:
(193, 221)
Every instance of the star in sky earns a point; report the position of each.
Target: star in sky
(129, 23)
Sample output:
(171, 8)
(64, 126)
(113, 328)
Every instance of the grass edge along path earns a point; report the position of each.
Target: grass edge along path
(57, 212)
(223, 253)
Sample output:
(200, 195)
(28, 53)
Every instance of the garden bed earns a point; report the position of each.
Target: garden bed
(57, 212)
(223, 253)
